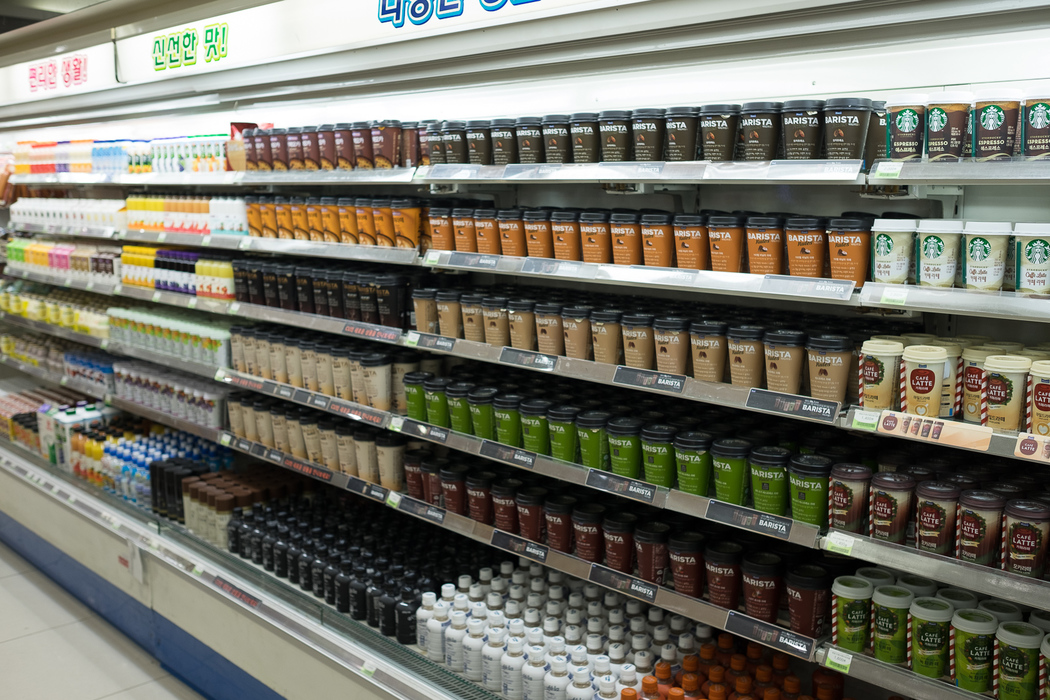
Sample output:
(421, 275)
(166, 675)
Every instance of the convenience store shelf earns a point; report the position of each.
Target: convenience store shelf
(397, 176)
(74, 383)
(383, 663)
(164, 419)
(56, 331)
(897, 679)
(917, 172)
(764, 633)
(981, 579)
(57, 230)
(964, 302)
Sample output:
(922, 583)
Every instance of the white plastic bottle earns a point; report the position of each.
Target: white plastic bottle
(661, 636)
(516, 628)
(628, 679)
(595, 648)
(639, 642)
(581, 687)
(602, 666)
(643, 663)
(473, 646)
(573, 634)
(669, 653)
(618, 658)
(557, 679)
(533, 672)
(448, 593)
(423, 615)
(654, 619)
(494, 601)
(617, 635)
(534, 637)
(511, 667)
(491, 658)
(577, 655)
(679, 626)
(607, 688)
(556, 647)
(436, 627)
(485, 579)
(454, 636)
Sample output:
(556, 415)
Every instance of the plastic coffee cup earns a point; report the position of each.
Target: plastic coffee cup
(650, 547)
(891, 506)
(829, 359)
(973, 380)
(535, 435)
(930, 622)
(846, 127)
(707, 340)
(920, 586)
(658, 454)
(1007, 381)
(671, 344)
(1027, 526)
(1039, 399)
(561, 424)
(1018, 645)
(785, 351)
(892, 247)
(769, 479)
(935, 514)
(686, 553)
(905, 126)
(746, 355)
(765, 245)
(726, 235)
(639, 347)
(849, 249)
(852, 612)
(1003, 610)
(593, 439)
(1032, 256)
(807, 246)
(985, 246)
(618, 531)
(808, 596)
(876, 576)
(607, 336)
(995, 117)
(625, 446)
(694, 461)
(808, 479)
(946, 116)
(763, 579)
(729, 462)
(959, 598)
(980, 517)
(722, 561)
(924, 372)
(880, 374)
(889, 611)
(937, 252)
(848, 497)
(718, 131)
(974, 632)
(951, 390)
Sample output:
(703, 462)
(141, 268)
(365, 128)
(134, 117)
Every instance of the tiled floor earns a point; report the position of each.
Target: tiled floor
(52, 646)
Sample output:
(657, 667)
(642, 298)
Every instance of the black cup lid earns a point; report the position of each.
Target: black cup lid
(648, 113)
(606, 315)
(763, 564)
(520, 305)
(508, 214)
(495, 302)
(548, 309)
(693, 440)
(758, 107)
(810, 465)
(656, 219)
(803, 105)
(508, 400)
(725, 220)
(652, 533)
(746, 332)
(556, 119)
(614, 115)
(724, 552)
(719, 109)
(808, 576)
(560, 503)
(534, 407)
(482, 394)
(478, 123)
(764, 222)
(770, 456)
(592, 419)
(578, 311)
(731, 447)
(594, 217)
(481, 479)
(636, 319)
(830, 343)
(784, 337)
(673, 112)
(620, 522)
(588, 513)
(458, 390)
(689, 220)
(625, 217)
(850, 224)
(804, 223)
(840, 103)
(504, 487)
(686, 542)
(528, 121)
(584, 117)
(707, 327)
(658, 432)
(625, 425)
(531, 495)
(437, 384)
(563, 413)
(671, 323)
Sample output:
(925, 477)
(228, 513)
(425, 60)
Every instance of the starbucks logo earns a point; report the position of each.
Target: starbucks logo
(937, 119)
(907, 120)
(1037, 251)
(932, 247)
(883, 244)
(979, 249)
(1039, 115)
(992, 117)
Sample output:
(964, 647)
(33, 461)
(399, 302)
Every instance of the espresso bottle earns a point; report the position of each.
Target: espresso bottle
(280, 551)
(330, 573)
(359, 593)
(258, 532)
(342, 586)
(233, 531)
(306, 558)
(387, 605)
(405, 616)
(317, 565)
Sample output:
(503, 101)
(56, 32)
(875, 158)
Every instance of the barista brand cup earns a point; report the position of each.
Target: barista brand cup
(807, 246)
(650, 548)
(746, 355)
(692, 249)
(614, 130)
(846, 127)
(973, 638)
(718, 131)
(618, 530)
(984, 250)
(480, 401)
(1039, 397)
(995, 112)
(550, 336)
(808, 482)
(1035, 125)
(802, 123)
(890, 505)
(1032, 258)
(765, 245)
(936, 503)
(648, 127)
(466, 239)
(587, 531)
(496, 320)
(583, 131)
(729, 461)
(849, 249)
(449, 310)
(946, 117)
(671, 342)
(593, 439)
(924, 370)
(880, 374)
(681, 125)
(930, 631)
(504, 504)
(851, 613)
(576, 328)
(529, 135)
(722, 565)
(539, 238)
(1027, 529)
(889, 630)
(596, 240)
(458, 407)
(557, 146)
(557, 516)
(785, 352)
(808, 595)
(521, 323)
(1016, 658)
(710, 347)
(473, 316)
(760, 129)
(625, 446)
(454, 138)
(511, 232)
(769, 479)
(905, 126)
(762, 574)
(432, 144)
(479, 495)
(504, 141)
(727, 237)
(892, 247)
(828, 358)
(442, 236)
(607, 336)
(951, 382)
(848, 497)
(626, 231)
(479, 142)
(485, 231)
(529, 501)
(508, 418)
(657, 240)
(1007, 391)
(694, 461)
(639, 347)
(686, 554)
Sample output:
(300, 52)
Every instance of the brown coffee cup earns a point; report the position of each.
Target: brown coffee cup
(366, 225)
(671, 341)
(511, 233)
(587, 530)
(386, 144)
(596, 240)
(995, 112)
(557, 515)
(1036, 126)
(657, 240)
(946, 118)
(583, 130)
(692, 249)
(539, 239)
(722, 561)
(576, 328)
(802, 123)
(765, 245)
(550, 336)
(618, 530)
(849, 249)
(647, 130)
(807, 246)
(529, 135)
(361, 132)
(607, 336)
(726, 235)
(479, 142)
(718, 131)
(650, 548)
(682, 124)
(638, 344)
(565, 230)
(557, 146)
(626, 231)
(522, 324)
(710, 348)
(486, 232)
(450, 318)
(497, 322)
(504, 141)
(473, 316)
(829, 358)
(760, 129)
(762, 574)
(614, 130)
(905, 127)
(463, 229)
(454, 138)
(846, 127)
(785, 352)
(746, 355)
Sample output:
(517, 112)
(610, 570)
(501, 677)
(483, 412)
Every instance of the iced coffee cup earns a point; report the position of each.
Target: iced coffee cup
(1039, 399)
(829, 361)
(497, 323)
(607, 336)
(936, 503)
(924, 372)
(849, 249)
(638, 345)
(1007, 382)
(576, 329)
(473, 316)
(765, 245)
(929, 633)
(951, 382)
(521, 323)
(937, 252)
(718, 131)
(984, 254)
(746, 355)
(946, 117)
(848, 497)
(450, 319)
(425, 303)
(1032, 258)
(905, 126)
(974, 632)
(995, 112)
(846, 127)
(880, 374)
(671, 341)
(726, 235)
(807, 246)
(785, 352)
(550, 336)
(892, 245)
(692, 248)
(657, 240)
(709, 345)
(852, 613)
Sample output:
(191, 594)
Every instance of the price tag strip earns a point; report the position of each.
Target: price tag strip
(648, 379)
(622, 486)
(428, 341)
(938, 431)
(422, 510)
(473, 261)
(793, 405)
(748, 519)
(1033, 447)
(372, 332)
(528, 359)
(519, 545)
(509, 455)
(771, 635)
(809, 287)
(623, 583)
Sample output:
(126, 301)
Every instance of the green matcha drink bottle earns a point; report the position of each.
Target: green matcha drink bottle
(852, 612)
(1018, 646)
(974, 637)
(769, 479)
(930, 622)
(437, 401)
(508, 418)
(808, 480)
(729, 460)
(658, 454)
(415, 395)
(693, 457)
(889, 629)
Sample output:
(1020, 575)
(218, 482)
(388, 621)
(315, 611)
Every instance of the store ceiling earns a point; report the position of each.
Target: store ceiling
(15, 14)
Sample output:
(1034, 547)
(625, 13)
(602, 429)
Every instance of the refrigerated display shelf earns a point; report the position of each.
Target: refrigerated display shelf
(163, 418)
(56, 331)
(74, 383)
(963, 302)
(898, 679)
(738, 623)
(387, 665)
(969, 172)
(396, 176)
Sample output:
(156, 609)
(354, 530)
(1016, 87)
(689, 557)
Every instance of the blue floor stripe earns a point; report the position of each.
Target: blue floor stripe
(183, 655)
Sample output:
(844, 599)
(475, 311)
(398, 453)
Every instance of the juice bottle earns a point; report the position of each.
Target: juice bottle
(691, 686)
(781, 668)
(792, 688)
(743, 687)
(690, 664)
(725, 649)
(707, 658)
(754, 656)
(664, 678)
(763, 679)
(737, 668)
(715, 677)
(651, 689)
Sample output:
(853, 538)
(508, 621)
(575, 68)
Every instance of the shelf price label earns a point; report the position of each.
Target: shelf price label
(307, 468)
(423, 510)
(865, 420)
(1032, 447)
(839, 543)
(366, 330)
(748, 519)
(236, 593)
(507, 454)
(810, 287)
(935, 430)
(628, 585)
(528, 359)
(433, 257)
(434, 342)
(793, 405)
(648, 379)
(356, 412)
(838, 660)
(887, 169)
(770, 635)
(621, 486)
(473, 260)
(898, 296)
(519, 545)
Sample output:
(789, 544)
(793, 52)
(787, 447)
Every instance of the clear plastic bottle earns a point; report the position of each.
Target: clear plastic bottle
(691, 686)
(639, 643)
(557, 679)
(582, 686)
(423, 615)
(510, 669)
(454, 636)
(533, 672)
(654, 619)
(436, 627)
(643, 661)
(602, 666)
(661, 636)
(491, 659)
(473, 646)
(664, 677)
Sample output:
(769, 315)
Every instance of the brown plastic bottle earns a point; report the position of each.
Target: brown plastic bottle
(691, 686)
(725, 649)
(771, 693)
(792, 688)
(743, 687)
(675, 694)
(664, 678)
(763, 679)
(781, 668)
(754, 657)
(715, 677)
(737, 668)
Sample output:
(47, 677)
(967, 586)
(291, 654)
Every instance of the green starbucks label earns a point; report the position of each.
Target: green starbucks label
(883, 244)
(937, 119)
(992, 117)
(1037, 251)
(1039, 115)
(978, 249)
(907, 120)
(932, 247)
